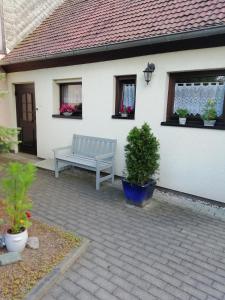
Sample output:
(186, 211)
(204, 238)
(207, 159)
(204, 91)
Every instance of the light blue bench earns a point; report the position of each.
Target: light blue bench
(91, 153)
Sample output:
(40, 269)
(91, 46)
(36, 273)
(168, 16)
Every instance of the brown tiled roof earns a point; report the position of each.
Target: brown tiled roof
(81, 24)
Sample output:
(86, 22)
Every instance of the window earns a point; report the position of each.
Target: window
(125, 97)
(71, 93)
(192, 91)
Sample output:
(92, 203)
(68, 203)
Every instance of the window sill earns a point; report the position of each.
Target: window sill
(69, 117)
(123, 118)
(192, 125)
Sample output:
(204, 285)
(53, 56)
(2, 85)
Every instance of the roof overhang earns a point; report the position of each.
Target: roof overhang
(203, 38)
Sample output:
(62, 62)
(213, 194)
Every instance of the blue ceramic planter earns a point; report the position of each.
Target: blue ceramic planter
(138, 195)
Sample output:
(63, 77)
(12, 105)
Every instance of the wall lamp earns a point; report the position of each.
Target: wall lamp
(148, 72)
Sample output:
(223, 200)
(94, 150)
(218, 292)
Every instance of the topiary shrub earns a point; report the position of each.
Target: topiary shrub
(142, 155)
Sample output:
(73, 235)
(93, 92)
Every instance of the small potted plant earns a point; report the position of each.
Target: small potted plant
(182, 113)
(142, 162)
(15, 185)
(209, 115)
(67, 109)
(123, 111)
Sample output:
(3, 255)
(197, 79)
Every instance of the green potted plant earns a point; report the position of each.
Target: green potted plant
(182, 113)
(209, 115)
(142, 162)
(15, 185)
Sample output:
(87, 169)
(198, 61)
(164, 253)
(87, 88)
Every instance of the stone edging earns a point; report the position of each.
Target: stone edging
(42, 287)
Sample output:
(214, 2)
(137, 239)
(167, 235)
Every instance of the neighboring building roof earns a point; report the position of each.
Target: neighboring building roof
(85, 24)
(21, 17)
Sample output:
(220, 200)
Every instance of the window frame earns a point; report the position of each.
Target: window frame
(185, 76)
(119, 80)
(61, 89)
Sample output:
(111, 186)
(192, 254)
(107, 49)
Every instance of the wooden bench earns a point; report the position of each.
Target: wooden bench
(91, 153)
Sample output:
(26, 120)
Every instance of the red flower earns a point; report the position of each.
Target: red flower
(129, 109)
(28, 214)
(126, 109)
(67, 108)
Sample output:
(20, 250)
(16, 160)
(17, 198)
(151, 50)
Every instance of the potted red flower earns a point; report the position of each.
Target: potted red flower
(125, 111)
(67, 109)
(15, 185)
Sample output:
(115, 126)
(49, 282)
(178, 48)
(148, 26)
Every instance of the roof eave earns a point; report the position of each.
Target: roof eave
(208, 32)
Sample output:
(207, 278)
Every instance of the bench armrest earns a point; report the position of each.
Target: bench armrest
(104, 156)
(67, 148)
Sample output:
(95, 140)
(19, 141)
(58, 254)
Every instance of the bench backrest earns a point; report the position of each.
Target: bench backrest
(92, 146)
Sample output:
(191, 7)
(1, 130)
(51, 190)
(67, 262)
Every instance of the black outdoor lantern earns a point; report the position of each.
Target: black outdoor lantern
(148, 72)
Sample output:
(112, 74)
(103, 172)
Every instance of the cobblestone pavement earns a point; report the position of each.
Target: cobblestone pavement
(160, 252)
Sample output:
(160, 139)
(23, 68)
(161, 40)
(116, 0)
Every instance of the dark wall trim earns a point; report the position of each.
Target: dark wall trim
(132, 50)
(192, 125)
(64, 117)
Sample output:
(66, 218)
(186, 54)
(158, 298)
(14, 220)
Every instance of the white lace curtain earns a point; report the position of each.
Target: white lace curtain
(128, 95)
(72, 93)
(194, 96)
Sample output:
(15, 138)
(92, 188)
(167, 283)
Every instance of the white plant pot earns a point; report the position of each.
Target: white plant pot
(182, 121)
(124, 115)
(67, 114)
(209, 123)
(16, 242)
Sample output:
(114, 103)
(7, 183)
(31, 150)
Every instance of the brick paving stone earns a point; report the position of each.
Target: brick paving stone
(106, 284)
(123, 295)
(159, 252)
(84, 295)
(142, 294)
(57, 291)
(70, 286)
(48, 297)
(105, 295)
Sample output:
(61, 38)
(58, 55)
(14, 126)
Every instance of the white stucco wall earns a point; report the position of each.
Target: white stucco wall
(4, 103)
(192, 160)
(4, 115)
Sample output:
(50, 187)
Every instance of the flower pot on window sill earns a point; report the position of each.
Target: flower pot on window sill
(182, 121)
(123, 115)
(209, 123)
(67, 114)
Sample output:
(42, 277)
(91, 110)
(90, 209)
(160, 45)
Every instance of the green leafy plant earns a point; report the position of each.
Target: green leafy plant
(210, 110)
(182, 112)
(8, 138)
(15, 185)
(142, 155)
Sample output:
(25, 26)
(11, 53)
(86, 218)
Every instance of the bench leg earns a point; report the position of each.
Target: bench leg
(97, 179)
(113, 171)
(56, 168)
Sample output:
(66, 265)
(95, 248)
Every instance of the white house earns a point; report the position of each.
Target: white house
(92, 54)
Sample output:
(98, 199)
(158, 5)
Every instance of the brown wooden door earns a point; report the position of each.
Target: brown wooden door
(26, 117)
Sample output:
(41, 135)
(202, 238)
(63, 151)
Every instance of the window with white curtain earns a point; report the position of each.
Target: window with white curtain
(71, 93)
(125, 96)
(191, 91)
